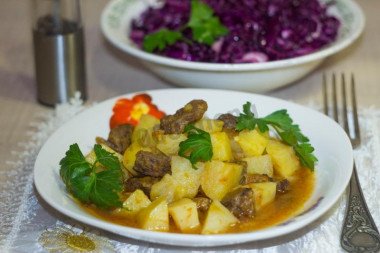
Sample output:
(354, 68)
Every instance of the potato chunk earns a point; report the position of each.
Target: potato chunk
(221, 147)
(155, 217)
(185, 214)
(169, 143)
(218, 219)
(129, 156)
(136, 201)
(218, 178)
(186, 176)
(167, 187)
(264, 193)
(259, 165)
(252, 142)
(209, 125)
(284, 158)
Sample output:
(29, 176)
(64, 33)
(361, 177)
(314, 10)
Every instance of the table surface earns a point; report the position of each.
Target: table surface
(111, 72)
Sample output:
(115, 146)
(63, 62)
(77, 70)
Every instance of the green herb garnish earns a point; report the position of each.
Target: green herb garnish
(87, 185)
(206, 28)
(198, 143)
(160, 39)
(281, 122)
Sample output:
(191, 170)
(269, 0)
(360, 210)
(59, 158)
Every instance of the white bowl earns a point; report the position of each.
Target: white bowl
(332, 148)
(256, 77)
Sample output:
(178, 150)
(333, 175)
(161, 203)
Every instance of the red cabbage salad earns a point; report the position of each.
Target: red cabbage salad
(235, 31)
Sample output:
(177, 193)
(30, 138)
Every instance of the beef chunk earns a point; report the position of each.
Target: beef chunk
(203, 203)
(201, 193)
(154, 165)
(229, 121)
(240, 202)
(119, 138)
(255, 178)
(191, 112)
(142, 183)
(282, 186)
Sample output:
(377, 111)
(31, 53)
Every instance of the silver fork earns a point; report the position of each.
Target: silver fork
(359, 231)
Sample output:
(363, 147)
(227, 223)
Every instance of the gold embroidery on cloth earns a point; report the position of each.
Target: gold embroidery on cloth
(66, 239)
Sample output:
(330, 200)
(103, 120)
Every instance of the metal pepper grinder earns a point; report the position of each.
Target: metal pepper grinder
(58, 50)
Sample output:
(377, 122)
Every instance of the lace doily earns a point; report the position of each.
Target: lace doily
(25, 217)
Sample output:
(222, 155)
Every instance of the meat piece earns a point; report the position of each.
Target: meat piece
(119, 138)
(240, 202)
(142, 183)
(255, 178)
(201, 193)
(282, 186)
(203, 203)
(154, 165)
(229, 121)
(191, 112)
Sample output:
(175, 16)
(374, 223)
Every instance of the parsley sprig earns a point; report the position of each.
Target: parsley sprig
(281, 122)
(206, 28)
(160, 39)
(198, 143)
(87, 185)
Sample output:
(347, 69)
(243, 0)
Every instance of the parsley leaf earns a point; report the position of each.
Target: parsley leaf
(304, 152)
(205, 26)
(101, 188)
(82, 186)
(282, 119)
(160, 39)
(74, 160)
(198, 143)
(248, 121)
(106, 158)
(282, 123)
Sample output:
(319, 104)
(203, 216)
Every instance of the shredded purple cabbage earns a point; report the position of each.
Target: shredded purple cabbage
(260, 30)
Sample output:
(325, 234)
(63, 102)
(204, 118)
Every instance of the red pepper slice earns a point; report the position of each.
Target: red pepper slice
(130, 110)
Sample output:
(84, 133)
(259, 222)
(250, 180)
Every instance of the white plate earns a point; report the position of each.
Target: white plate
(332, 147)
(256, 77)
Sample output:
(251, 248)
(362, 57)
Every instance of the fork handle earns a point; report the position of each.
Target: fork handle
(359, 232)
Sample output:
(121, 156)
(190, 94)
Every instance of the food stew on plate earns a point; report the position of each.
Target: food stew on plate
(186, 173)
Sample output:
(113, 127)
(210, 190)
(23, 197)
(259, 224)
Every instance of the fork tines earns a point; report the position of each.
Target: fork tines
(355, 136)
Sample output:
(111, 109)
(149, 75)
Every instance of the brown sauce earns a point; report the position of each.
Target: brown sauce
(286, 205)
